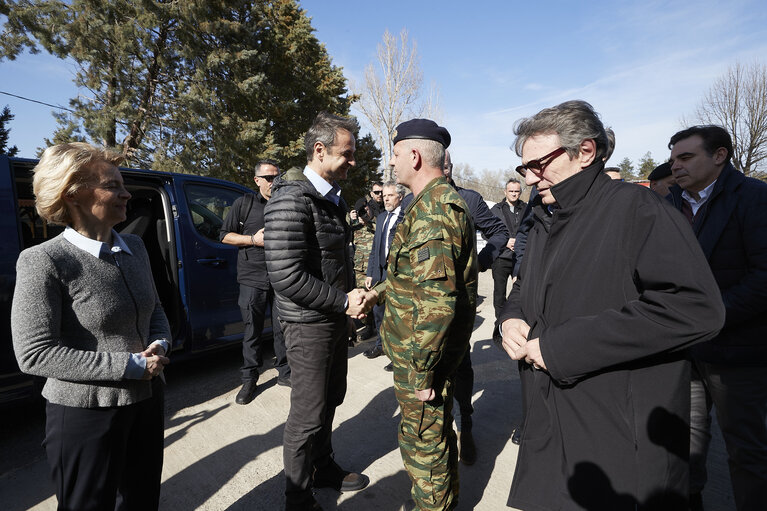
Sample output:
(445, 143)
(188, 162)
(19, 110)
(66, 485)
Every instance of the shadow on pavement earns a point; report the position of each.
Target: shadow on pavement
(496, 411)
(195, 484)
(387, 494)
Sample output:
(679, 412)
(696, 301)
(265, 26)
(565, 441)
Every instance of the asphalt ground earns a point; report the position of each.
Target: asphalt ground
(223, 456)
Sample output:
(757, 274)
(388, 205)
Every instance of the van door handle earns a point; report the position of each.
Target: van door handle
(214, 261)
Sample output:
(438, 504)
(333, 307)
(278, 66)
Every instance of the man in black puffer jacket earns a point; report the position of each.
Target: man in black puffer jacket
(308, 256)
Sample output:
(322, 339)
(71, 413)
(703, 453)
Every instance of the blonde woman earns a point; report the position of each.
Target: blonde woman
(86, 316)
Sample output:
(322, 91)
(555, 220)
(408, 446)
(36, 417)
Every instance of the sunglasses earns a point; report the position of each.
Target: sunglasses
(270, 177)
(541, 163)
(377, 192)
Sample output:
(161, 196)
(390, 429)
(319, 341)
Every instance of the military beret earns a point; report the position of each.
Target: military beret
(425, 129)
(661, 171)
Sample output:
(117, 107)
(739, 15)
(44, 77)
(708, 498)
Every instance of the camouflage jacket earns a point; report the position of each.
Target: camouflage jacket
(430, 289)
(363, 244)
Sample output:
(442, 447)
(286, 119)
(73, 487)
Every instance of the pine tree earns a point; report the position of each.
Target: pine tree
(119, 47)
(646, 165)
(366, 171)
(258, 78)
(6, 116)
(201, 86)
(627, 169)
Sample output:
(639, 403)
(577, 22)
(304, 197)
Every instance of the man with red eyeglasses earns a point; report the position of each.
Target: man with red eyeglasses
(613, 287)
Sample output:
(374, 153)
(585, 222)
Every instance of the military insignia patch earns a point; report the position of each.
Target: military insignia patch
(423, 254)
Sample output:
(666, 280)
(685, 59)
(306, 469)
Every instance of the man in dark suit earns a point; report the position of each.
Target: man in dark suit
(510, 212)
(727, 213)
(376, 270)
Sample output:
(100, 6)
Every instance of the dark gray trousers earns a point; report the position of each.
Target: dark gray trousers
(502, 269)
(253, 304)
(739, 395)
(463, 385)
(317, 354)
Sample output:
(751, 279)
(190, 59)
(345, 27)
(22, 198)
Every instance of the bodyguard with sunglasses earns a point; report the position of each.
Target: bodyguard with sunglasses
(613, 286)
(244, 228)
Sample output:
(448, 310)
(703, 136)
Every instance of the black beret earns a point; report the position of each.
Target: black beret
(421, 128)
(661, 171)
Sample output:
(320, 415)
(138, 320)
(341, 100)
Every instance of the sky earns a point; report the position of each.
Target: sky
(643, 65)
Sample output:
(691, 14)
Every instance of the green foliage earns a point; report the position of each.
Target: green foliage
(201, 86)
(6, 116)
(627, 169)
(646, 165)
(68, 131)
(366, 171)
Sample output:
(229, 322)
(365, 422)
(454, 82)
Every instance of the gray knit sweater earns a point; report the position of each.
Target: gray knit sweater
(74, 321)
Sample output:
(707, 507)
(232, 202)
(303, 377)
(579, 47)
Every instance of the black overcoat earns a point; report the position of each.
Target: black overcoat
(615, 285)
(732, 229)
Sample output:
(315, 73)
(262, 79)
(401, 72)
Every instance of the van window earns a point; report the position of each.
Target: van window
(34, 229)
(208, 206)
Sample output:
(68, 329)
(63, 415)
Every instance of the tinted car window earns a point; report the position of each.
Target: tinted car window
(208, 207)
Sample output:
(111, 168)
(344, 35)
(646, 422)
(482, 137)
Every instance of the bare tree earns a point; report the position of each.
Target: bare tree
(393, 90)
(738, 102)
(489, 183)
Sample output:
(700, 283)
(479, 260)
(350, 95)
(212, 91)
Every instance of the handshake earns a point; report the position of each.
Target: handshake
(360, 302)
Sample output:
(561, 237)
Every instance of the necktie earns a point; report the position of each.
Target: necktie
(687, 211)
(382, 249)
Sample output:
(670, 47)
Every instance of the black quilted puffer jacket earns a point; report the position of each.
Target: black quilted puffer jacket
(308, 250)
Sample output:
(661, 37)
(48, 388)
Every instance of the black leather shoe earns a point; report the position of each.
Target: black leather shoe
(247, 393)
(374, 352)
(340, 480)
(389, 367)
(516, 436)
(365, 334)
(283, 381)
(468, 452)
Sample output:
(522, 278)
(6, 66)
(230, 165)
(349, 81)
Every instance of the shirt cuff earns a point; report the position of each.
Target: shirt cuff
(136, 367)
(162, 342)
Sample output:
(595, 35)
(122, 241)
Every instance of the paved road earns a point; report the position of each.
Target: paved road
(222, 456)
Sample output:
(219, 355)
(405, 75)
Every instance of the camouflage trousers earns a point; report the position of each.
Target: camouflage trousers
(428, 443)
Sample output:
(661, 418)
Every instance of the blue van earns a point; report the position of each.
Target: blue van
(178, 216)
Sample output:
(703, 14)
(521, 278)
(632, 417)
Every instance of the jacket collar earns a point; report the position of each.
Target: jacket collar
(729, 179)
(431, 184)
(572, 190)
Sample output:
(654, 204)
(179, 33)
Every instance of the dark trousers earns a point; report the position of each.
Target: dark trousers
(502, 270)
(106, 458)
(739, 395)
(463, 384)
(378, 312)
(253, 303)
(317, 353)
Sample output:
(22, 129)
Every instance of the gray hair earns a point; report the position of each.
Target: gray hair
(610, 143)
(400, 189)
(63, 170)
(573, 121)
(513, 180)
(324, 130)
(432, 152)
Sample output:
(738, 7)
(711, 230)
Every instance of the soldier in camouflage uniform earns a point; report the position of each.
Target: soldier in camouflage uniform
(364, 232)
(430, 296)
